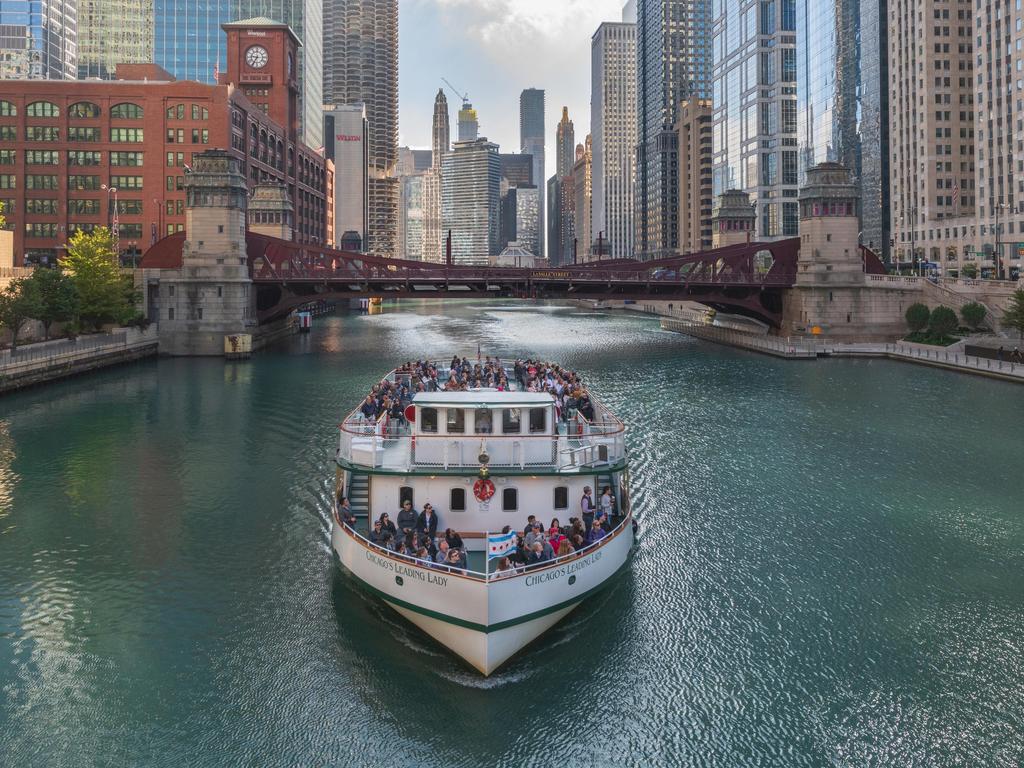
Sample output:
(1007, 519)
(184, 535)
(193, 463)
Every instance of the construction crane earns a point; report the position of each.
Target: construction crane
(465, 98)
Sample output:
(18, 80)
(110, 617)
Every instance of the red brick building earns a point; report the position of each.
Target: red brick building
(69, 149)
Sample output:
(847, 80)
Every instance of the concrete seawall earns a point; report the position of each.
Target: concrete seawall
(51, 361)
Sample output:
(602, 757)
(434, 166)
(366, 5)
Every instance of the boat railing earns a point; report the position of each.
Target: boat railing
(521, 570)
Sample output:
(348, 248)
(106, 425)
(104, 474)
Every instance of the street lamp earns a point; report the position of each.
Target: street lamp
(112, 218)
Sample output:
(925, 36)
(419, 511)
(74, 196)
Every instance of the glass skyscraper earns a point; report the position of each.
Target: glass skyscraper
(673, 60)
(112, 32)
(843, 100)
(754, 119)
(190, 44)
(39, 39)
(531, 142)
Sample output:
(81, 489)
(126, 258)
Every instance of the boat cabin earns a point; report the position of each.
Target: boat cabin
(508, 428)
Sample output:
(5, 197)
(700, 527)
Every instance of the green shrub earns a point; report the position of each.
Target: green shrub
(942, 322)
(917, 317)
(973, 314)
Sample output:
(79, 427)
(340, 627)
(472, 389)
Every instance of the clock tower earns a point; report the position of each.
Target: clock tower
(262, 56)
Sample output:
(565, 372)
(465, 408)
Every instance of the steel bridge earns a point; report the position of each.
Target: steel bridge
(749, 278)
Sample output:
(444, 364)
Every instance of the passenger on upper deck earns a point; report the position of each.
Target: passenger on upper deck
(369, 408)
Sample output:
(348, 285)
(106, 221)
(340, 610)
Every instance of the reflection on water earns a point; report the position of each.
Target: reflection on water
(829, 572)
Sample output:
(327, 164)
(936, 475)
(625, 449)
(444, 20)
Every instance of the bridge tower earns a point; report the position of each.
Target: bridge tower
(832, 297)
(271, 211)
(732, 220)
(210, 296)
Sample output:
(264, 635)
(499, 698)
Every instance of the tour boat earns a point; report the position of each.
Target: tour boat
(483, 459)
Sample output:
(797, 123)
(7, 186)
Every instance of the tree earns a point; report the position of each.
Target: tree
(917, 317)
(58, 298)
(970, 271)
(105, 295)
(19, 303)
(1014, 315)
(3, 221)
(973, 314)
(942, 322)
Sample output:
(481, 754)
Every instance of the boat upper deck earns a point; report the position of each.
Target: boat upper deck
(511, 426)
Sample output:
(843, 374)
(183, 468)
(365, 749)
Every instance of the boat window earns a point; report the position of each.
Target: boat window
(428, 420)
(458, 500)
(509, 500)
(562, 497)
(404, 495)
(456, 421)
(482, 421)
(510, 423)
(538, 420)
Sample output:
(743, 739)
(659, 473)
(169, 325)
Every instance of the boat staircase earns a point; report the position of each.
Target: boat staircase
(359, 494)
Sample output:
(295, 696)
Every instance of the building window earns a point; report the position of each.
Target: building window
(7, 157)
(8, 132)
(83, 182)
(44, 206)
(42, 109)
(175, 135)
(8, 181)
(126, 135)
(83, 134)
(200, 136)
(170, 313)
(457, 500)
(126, 111)
(84, 207)
(42, 157)
(130, 231)
(175, 159)
(42, 133)
(509, 500)
(85, 157)
(199, 113)
(133, 159)
(129, 207)
(83, 110)
(7, 109)
(176, 112)
(40, 182)
(41, 229)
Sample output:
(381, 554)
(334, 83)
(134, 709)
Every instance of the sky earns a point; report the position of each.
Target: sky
(492, 50)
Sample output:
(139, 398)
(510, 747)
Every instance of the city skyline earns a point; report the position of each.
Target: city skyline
(480, 47)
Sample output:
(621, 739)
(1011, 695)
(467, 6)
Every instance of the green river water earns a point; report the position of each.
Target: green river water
(830, 569)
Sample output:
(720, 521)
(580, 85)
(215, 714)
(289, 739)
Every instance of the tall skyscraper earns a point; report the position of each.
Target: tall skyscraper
(531, 142)
(613, 128)
(931, 120)
(673, 63)
(471, 188)
(345, 142)
(469, 125)
(188, 41)
(39, 39)
(361, 65)
(565, 158)
(842, 100)
(433, 232)
(755, 110)
(189, 45)
(582, 179)
(112, 32)
(695, 197)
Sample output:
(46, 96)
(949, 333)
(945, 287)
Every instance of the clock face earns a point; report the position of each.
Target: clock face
(256, 57)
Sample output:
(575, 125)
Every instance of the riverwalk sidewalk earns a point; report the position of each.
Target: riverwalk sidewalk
(811, 349)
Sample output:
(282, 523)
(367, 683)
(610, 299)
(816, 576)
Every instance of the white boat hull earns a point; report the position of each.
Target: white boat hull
(483, 622)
